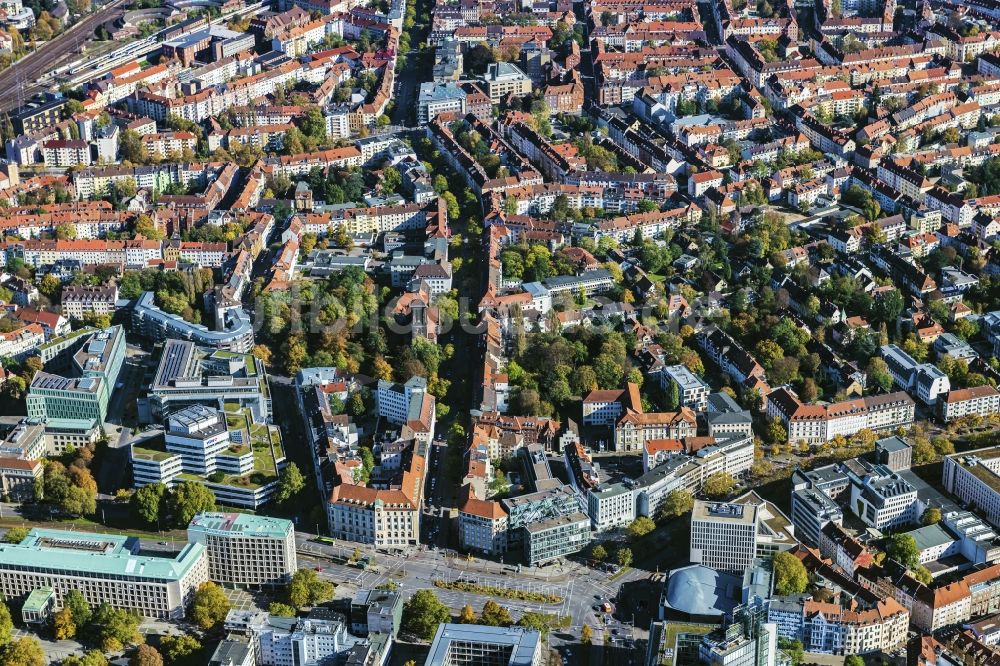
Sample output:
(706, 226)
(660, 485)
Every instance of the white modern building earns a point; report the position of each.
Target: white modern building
(105, 568)
(611, 506)
(926, 380)
(244, 549)
(691, 389)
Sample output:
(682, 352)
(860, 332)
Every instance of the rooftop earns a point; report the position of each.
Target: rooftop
(241, 524)
(94, 554)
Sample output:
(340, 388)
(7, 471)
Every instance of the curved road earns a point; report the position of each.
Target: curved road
(30, 68)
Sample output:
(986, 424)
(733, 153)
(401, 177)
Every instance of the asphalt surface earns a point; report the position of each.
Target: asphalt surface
(580, 588)
(30, 69)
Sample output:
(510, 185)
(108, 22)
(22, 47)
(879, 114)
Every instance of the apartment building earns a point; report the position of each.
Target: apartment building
(502, 79)
(925, 380)
(80, 301)
(409, 405)
(22, 342)
(105, 568)
(818, 423)
(978, 400)
(831, 628)
(385, 517)
(692, 390)
(243, 549)
(65, 153)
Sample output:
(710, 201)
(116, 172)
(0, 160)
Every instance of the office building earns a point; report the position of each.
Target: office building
(812, 511)
(884, 500)
(818, 424)
(547, 524)
(610, 506)
(238, 459)
(485, 646)
(243, 549)
(974, 478)
(233, 651)
(235, 332)
(482, 525)
(192, 375)
(77, 399)
(387, 517)
(409, 405)
(18, 479)
(552, 538)
(105, 568)
(723, 536)
(730, 536)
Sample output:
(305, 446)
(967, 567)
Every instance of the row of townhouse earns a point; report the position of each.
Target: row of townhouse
(36, 253)
(97, 181)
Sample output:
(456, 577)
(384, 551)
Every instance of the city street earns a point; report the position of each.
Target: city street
(581, 588)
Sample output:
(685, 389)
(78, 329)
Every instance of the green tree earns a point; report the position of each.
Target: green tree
(422, 614)
(209, 605)
(147, 502)
(790, 575)
(678, 503)
(903, 548)
(586, 634)
(719, 485)
(290, 482)
(467, 615)
(599, 552)
(879, 377)
(931, 516)
(189, 498)
(115, 628)
(6, 624)
(146, 655)
(15, 534)
(640, 527)
(92, 658)
(623, 556)
(793, 648)
(25, 651)
(307, 589)
(62, 625)
(176, 648)
(78, 607)
(281, 610)
(495, 615)
(540, 622)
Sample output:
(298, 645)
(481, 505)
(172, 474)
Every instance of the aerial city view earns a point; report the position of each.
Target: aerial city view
(500, 332)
